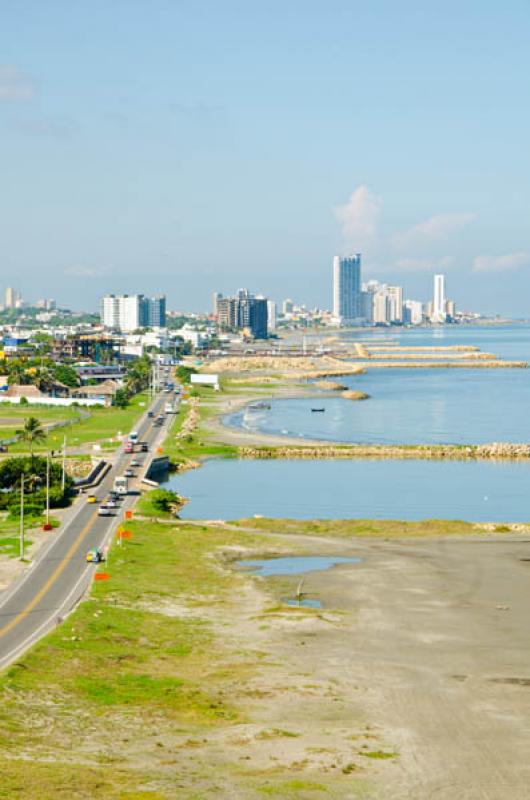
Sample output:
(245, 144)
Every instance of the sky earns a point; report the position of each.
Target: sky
(189, 146)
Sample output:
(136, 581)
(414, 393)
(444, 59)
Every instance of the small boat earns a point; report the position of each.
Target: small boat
(318, 410)
(260, 406)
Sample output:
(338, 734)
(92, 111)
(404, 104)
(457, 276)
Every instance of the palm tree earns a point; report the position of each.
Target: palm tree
(32, 433)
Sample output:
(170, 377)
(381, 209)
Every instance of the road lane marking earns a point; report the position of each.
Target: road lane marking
(51, 580)
(57, 572)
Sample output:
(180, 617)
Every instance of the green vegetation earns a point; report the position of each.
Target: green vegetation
(33, 468)
(159, 503)
(100, 424)
(363, 527)
(9, 535)
(32, 433)
(120, 653)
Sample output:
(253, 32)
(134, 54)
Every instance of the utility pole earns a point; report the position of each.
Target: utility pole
(63, 479)
(47, 489)
(22, 517)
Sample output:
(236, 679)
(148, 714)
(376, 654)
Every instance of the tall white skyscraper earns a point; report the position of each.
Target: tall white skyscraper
(347, 301)
(438, 305)
(128, 312)
(271, 315)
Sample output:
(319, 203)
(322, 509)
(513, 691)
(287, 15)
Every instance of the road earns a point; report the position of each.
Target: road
(60, 574)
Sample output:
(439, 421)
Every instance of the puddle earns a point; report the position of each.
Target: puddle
(308, 602)
(293, 565)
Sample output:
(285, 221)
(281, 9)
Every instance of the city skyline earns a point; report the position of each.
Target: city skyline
(118, 167)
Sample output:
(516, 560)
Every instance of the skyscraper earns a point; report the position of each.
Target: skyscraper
(271, 315)
(128, 312)
(243, 311)
(10, 297)
(347, 305)
(438, 305)
(155, 316)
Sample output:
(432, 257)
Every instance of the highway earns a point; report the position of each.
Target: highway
(60, 574)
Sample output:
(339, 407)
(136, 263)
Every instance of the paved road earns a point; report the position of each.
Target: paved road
(60, 573)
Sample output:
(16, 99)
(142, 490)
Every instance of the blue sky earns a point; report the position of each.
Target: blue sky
(189, 146)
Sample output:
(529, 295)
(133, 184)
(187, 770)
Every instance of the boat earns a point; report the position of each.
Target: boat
(260, 406)
(318, 410)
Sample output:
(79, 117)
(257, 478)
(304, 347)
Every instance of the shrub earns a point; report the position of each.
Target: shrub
(164, 500)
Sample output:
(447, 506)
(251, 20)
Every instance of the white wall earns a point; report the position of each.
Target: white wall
(54, 401)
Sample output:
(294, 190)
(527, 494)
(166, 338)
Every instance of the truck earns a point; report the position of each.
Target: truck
(121, 485)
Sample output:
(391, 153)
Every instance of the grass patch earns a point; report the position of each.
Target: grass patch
(294, 788)
(103, 423)
(378, 754)
(363, 527)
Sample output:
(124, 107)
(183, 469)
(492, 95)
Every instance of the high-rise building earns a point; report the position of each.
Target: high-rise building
(450, 309)
(155, 314)
(287, 306)
(395, 300)
(438, 305)
(347, 289)
(271, 315)
(215, 301)
(244, 311)
(381, 307)
(127, 313)
(10, 297)
(412, 312)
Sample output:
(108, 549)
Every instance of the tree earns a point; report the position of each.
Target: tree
(32, 433)
(67, 375)
(121, 398)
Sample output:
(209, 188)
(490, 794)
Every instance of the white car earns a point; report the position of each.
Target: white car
(129, 473)
(103, 511)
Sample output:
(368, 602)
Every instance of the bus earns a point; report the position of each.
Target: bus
(121, 485)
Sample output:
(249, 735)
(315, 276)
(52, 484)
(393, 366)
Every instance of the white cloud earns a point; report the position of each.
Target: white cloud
(14, 85)
(359, 217)
(501, 263)
(432, 230)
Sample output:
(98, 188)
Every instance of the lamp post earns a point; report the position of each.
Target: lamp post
(22, 517)
(47, 489)
(64, 465)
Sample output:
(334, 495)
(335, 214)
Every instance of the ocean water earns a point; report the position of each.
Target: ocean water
(482, 491)
(416, 406)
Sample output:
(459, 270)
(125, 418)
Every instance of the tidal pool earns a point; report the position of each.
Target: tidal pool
(293, 565)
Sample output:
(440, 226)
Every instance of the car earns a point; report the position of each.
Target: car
(103, 511)
(128, 473)
(136, 463)
(145, 447)
(91, 498)
(114, 496)
(150, 414)
(111, 503)
(95, 556)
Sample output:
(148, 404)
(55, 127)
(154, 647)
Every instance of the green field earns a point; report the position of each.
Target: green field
(10, 534)
(101, 425)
